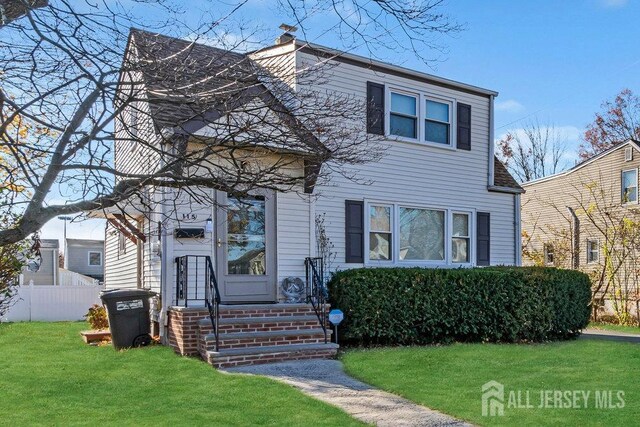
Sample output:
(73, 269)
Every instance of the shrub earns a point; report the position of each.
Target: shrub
(496, 304)
(97, 317)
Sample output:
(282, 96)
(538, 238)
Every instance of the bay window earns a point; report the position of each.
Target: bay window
(403, 116)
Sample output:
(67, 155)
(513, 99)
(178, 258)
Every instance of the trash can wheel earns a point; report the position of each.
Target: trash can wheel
(142, 340)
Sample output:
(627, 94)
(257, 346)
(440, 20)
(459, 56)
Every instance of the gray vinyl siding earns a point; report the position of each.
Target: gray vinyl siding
(415, 173)
(77, 259)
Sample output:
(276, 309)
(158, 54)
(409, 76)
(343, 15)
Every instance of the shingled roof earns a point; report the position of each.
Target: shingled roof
(186, 81)
(502, 178)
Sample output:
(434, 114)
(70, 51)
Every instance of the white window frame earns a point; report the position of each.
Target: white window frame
(545, 252)
(367, 245)
(634, 202)
(417, 116)
(597, 242)
(422, 97)
(395, 235)
(468, 236)
(89, 258)
(450, 122)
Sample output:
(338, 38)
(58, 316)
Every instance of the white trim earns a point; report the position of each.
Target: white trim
(583, 164)
(597, 241)
(365, 60)
(395, 235)
(421, 97)
(452, 118)
(492, 142)
(89, 258)
(622, 172)
(406, 92)
(518, 230)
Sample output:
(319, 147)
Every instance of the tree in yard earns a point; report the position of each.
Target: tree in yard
(64, 74)
(533, 152)
(618, 122)
(595, 212)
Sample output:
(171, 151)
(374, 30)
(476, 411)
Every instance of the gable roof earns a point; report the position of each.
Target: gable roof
(630, 142)
(185, 80)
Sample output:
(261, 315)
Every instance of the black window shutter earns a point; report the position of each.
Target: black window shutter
(464, 127)
(483, 238)
(375, 108)
(354, 231)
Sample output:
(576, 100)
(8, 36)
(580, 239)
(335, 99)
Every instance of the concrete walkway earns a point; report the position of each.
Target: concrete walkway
(325, 380)
(601, 334)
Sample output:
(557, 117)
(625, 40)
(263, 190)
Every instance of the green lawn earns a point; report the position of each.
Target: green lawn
(48, 376)
(450, 378)
(617, 328)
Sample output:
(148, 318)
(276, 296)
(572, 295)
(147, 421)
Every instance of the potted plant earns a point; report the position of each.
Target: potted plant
(97, 318)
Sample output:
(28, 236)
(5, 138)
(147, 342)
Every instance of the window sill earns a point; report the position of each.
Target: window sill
(395, 138)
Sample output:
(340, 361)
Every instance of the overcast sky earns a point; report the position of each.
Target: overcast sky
(556, 61)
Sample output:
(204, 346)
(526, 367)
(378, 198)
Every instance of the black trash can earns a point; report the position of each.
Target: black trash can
(129, 321)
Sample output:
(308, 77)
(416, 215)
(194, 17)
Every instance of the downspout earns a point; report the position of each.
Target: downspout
(575, 239)
(517, 229)
(491, 140)
(165, 262)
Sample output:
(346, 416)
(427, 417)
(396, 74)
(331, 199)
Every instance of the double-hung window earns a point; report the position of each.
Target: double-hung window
(422, 234)
(630, 186)
(460, 238)
(380, 232)
(403, 115)
(593, 251)
(549, 254)
(437, 126)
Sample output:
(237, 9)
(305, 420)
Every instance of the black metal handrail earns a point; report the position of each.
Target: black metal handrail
(316, 290)
(199, 279)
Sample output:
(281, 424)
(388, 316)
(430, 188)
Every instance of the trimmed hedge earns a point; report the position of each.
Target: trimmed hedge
(387, 306)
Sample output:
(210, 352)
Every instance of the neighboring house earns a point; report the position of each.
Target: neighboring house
(86, 257)
(588, 218)
(48, 273)
(438, 197)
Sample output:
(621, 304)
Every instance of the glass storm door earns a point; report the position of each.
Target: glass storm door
(245, 248)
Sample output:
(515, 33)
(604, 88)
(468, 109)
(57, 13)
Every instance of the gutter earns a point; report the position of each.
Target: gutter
(517, 229)
(501, 189)
(491, 143)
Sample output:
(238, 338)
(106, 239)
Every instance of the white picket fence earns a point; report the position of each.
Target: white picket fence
(53, 303)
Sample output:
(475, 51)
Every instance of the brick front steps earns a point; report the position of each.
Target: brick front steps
(250, 334)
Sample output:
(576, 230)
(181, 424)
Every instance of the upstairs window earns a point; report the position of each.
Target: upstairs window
(380, 223)
(437, 128)
(549, 254)
(593, 251)
(630, 186)
(403, 118)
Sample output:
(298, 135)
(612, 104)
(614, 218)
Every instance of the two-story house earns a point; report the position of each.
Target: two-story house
(587, 218)
(438, 197)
